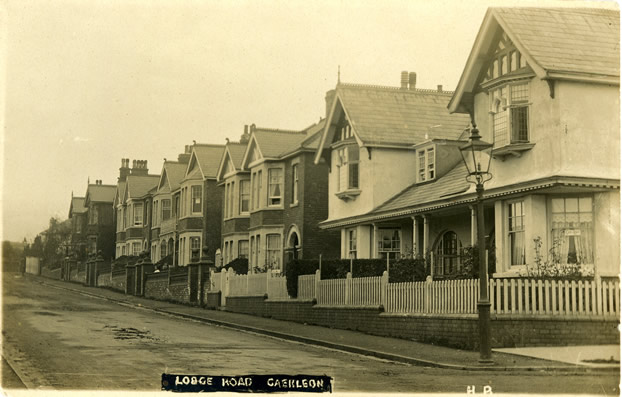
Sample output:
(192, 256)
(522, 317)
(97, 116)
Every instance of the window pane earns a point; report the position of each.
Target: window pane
(520, 93)
(585, 204)
(572, 205)
(354, 175)
(196, 198)
(520, 131)
(557, 205)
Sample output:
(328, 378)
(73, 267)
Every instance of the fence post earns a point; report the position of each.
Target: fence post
(318, 277)
(427, 294)
(384, 285)
(348, 293)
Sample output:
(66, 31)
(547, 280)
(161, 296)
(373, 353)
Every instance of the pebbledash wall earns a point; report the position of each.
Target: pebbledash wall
(449, 330)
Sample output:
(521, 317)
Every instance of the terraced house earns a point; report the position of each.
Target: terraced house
(542, 85)
(198, 205)
(78, 217)
(100, 219)
(164, 214)
(274, 197)
(132, 203)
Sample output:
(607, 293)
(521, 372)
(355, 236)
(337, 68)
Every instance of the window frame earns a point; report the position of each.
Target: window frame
(504, 109)
(242, 244)
(276, 252)
(166, 209)
(270, 197)
(426, 163)
(138, 214)
(351, 243)
(244, 183)
(511, 232)
(383, 253)
(193, 203)
(550, 228)
(294, 184)
(345, 167)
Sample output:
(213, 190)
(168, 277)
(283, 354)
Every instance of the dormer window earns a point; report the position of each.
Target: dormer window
(426, 164)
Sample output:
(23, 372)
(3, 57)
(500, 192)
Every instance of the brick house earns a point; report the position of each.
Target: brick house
(78, 218)
(535, 100)
(132, 204)
(99, 214)
(197, 202)
(164, 214)
(278, 195)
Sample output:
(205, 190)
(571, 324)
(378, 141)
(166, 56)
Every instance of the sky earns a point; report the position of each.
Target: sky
(86, 83)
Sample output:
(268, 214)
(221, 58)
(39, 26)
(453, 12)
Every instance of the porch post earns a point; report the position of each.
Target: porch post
(374, 245)
(473, 225)
(426, 234)
(415, 236)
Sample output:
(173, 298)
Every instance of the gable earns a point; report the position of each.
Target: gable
(163, 180)
(229, 168)
(505, 60)
(252, 153)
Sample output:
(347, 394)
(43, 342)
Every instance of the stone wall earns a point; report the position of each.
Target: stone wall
(104, 279)
(118, 281)
(45, 272)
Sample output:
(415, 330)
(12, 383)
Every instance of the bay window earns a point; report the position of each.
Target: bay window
(244, 196)
(138, 214)
(509, 106)
(516, 233)
(348, 168)
(197, 198)
(275, 186)
(273, 251)
(572, 221)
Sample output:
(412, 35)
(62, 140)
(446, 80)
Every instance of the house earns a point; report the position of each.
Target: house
(378, 142)
(99, 213)
(133, 208)
(537, 83)
(78, 219)
(274, 197)
(198, 202)
(164, 213)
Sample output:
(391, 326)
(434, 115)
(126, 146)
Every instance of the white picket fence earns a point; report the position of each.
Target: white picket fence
(259, 284)
(507, 296)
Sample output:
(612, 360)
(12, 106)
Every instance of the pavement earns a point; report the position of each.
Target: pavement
(574, 359)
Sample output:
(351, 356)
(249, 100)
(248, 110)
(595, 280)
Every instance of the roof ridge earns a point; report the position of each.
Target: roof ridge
(94, 184)
(209, 145)
(258, 129)
(393, 88)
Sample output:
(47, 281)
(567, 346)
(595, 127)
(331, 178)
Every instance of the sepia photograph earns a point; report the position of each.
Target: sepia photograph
(338, 196)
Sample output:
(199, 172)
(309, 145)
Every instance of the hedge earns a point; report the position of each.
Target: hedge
(239, 265)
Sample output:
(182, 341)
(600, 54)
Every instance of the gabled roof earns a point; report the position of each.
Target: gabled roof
(77, 206)
(139, 185)
(207, 158)
(172, 174)
(232, 157)
(119, 193)
(312, 141)
(559, 43)
(99, 193)
(391, 116)
(274, 144)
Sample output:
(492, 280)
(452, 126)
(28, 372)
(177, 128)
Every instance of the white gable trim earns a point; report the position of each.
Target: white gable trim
(252, 142)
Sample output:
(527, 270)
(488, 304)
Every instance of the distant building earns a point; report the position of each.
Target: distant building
(99, 213)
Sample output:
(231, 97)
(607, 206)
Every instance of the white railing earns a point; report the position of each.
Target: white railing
(443, 297)
(306, 286)
(364, 291)
(277, 287)
(555, 297)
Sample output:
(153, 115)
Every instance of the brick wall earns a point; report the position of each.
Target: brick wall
(212, 300)
(455, 331)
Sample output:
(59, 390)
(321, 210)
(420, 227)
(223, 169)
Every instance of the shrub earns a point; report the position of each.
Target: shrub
(408, 270)
(298, 267)
(470, 262)
(339, 268)
(239, 265)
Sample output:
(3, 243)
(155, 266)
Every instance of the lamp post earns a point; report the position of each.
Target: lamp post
(476, 156)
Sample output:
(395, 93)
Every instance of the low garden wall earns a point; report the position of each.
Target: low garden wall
(117, 280)
(458, 330)
(55, 273)
(104, 279)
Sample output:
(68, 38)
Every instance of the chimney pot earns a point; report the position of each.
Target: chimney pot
(412, 80)
(245, 129)
(439, 88)
(253, 127)
(133, 163)
(404, 80)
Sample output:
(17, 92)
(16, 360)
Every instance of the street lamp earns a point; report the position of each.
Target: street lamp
(476, 156)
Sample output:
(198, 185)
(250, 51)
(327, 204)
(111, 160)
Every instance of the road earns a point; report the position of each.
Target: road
(58, 339)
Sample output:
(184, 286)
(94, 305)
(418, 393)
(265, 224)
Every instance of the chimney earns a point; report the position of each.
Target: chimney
(330, 97)
(439, 88)
(253, 128)
(139, 167)
(124, 171)
(185, 156)
(404, 80)
(245, 137)
(412, 80)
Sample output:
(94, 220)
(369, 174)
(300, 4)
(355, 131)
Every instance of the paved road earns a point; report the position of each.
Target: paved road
(58, 339)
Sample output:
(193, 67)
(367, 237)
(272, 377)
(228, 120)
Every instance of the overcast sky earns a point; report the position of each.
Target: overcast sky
(89, 82)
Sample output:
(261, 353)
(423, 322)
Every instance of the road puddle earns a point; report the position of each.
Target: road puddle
(130, 333)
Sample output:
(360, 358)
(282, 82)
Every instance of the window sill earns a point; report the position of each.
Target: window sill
(513, 149)
(349, 194)
(293, 205)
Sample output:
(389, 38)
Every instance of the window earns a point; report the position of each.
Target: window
(348, 167)
(93, 245)
(243, 249)
(259, 190)
(572, 229)
(138, 214)
(244, 196)
(195, 247)
(273, 251)
(136, 249)
(351, 234)
(254, 192)
(510, 114)
(425, 163)
(446, 258)
(389, 243)
(123, 250)
(253, 257)
(231, 196)
(166, 209)
(294, 183)
(226, 201)
(225, 253)
(275, 186)
(156, 221)
(163, 249)
(197, 196)
(177, 209)
(78, 225)
(516, 233)
(93, 215)
(257, 249)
